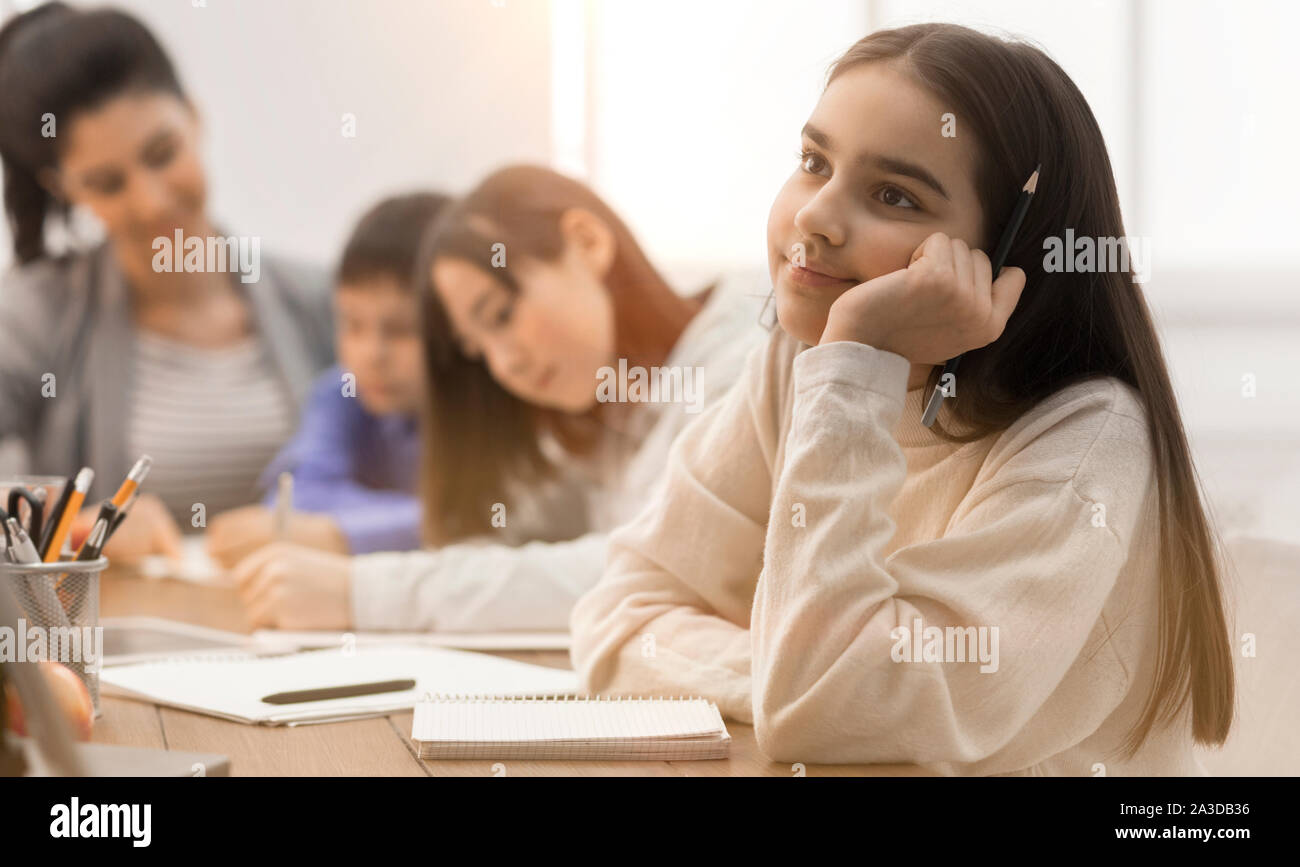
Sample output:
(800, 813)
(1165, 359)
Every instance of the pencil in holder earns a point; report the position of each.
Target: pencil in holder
(61, 604)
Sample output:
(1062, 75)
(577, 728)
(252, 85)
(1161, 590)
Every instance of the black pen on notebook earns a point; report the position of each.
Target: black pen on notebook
(329, 692)
(999, 259)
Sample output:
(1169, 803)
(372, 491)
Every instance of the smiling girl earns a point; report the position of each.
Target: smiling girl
(811, 523)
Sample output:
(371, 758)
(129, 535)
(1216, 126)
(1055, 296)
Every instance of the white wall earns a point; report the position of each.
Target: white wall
(442, 91)
(697, 112)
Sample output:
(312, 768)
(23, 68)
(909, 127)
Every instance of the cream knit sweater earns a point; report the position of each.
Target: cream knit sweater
(810, 517)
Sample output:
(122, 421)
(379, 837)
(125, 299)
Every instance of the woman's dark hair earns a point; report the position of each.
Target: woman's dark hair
(386, 240)
(479, 437)
(1023, 110)
(58, 61)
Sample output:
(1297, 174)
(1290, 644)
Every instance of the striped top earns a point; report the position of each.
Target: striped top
(211, 419)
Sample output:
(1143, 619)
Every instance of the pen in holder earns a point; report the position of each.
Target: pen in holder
(61, 604)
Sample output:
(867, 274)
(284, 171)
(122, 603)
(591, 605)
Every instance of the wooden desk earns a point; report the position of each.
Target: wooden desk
(367, 748)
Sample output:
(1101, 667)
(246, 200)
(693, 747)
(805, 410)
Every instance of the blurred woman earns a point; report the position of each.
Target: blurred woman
(134, 347)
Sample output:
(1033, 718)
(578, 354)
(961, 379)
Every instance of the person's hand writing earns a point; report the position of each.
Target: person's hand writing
(287, 586)
(236, 534)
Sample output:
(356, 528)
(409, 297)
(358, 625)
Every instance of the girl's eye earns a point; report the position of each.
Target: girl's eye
(502, 316)
(160, 154)
(107, 185)
(808, 160)
(895, 198)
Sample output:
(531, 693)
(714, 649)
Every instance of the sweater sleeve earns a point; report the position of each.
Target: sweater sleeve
(670, 616)
(1022, 559)
(475, 586)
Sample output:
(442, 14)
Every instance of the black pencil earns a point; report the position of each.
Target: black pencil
(999, 259)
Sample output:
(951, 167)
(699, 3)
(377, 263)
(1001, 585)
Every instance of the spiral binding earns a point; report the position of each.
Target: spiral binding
(473, 698)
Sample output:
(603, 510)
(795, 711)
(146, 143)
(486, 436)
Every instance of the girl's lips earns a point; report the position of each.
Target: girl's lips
(816, 279)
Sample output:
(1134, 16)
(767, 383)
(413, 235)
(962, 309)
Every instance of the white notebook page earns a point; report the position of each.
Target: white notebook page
(235, 688)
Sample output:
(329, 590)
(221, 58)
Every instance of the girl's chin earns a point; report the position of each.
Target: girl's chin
(800, 318)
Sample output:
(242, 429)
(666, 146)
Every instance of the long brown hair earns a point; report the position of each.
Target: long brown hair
(478, 437)
(1023, 110)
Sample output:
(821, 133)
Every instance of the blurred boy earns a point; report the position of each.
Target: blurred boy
(354, 458)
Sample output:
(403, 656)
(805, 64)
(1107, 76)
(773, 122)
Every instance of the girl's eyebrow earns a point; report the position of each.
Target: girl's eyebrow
(893, 165)
(162, 136)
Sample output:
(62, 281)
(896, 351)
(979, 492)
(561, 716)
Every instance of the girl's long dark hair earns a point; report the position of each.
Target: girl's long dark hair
(57, 61)
(478, 438)
(1023, 110)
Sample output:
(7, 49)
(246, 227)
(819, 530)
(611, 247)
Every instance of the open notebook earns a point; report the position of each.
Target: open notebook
(234, 688)
(654, 729)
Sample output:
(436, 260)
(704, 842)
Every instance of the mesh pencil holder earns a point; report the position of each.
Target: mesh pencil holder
(61, 603)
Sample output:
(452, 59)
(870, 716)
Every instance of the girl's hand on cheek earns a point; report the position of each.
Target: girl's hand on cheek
(944, 303)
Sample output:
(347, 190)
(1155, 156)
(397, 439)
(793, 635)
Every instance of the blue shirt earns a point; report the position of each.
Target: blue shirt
(356, 467)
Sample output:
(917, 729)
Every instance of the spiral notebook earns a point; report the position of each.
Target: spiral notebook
(608, 729)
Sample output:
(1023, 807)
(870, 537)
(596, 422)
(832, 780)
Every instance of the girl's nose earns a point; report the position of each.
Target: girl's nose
(819, 219)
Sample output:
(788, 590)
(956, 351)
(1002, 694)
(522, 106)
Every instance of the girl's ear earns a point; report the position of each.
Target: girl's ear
(589, 237)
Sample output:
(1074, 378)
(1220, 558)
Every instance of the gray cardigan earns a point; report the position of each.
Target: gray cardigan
(71, 317)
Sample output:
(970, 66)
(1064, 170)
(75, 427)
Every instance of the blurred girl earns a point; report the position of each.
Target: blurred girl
(544, 321)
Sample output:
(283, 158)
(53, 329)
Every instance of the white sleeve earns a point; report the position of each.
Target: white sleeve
(476, 587)
(670, 615)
